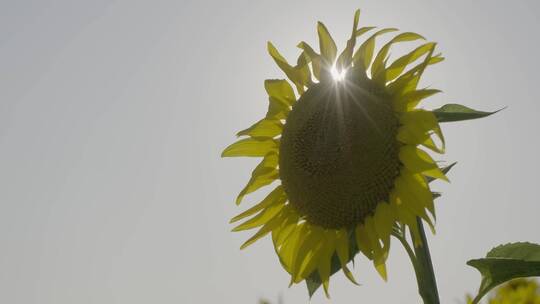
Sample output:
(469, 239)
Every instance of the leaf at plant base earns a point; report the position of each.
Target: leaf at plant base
(506, 262)
(456, 112)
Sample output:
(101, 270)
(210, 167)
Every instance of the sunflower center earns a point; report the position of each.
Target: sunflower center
(339, 153)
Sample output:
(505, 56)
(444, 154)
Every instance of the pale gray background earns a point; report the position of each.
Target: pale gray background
(113, 115)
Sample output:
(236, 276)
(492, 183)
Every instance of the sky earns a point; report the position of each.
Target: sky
(113, 115)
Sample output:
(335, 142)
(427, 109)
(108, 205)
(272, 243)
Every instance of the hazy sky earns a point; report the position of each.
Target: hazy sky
(113, 115)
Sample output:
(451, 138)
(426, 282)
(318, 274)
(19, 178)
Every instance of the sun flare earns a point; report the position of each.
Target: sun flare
(338, 75)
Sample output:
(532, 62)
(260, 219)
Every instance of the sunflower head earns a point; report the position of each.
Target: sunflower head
(338, 153)
(519, 291)
(347, 153)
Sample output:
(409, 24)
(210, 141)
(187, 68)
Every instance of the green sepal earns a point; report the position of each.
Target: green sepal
(506, 262)
(456, 112)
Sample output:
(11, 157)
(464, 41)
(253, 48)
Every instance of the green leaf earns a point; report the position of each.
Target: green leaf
(506, 262)
(456, 112)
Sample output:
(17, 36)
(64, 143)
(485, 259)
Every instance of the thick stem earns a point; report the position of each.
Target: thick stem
(427, 285)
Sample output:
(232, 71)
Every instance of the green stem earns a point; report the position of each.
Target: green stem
(477, 299)
(427, 285)
(402, 239)
(401, 236)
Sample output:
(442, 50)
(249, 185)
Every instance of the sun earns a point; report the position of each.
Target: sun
(347, 153)
(338, 75)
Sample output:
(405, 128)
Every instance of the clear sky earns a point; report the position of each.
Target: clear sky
(113, 115)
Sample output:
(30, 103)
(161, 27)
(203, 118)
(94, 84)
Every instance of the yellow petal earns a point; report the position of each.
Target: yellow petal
(349, 275)
(415, 198)
(381, 269)
(324, 263)
(288, 250)
(355, 22)
(380, 254)
(410, 100)
(312, 240)
(277, 196)
(419, 192)
(310, 262)
(342, 249)
(363, 56)
(399, 65)
(345, 58)
(363, 242)
(277, 109)
(302, 66)
(342, 246)
(264, 174)
(327, 45)
(251, 147)
(384, 219)
(315, 59)
(264, 128)
(265, 229)
(418, 161)
(416, 128)
(280, 89)
(412, 206)
(260, 219)
(361, 31)
(292, 72)
(281, 233)
(409, 81)
(377, 67)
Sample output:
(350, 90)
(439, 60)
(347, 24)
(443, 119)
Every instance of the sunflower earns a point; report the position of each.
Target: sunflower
(520, 291)
(348, 151)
